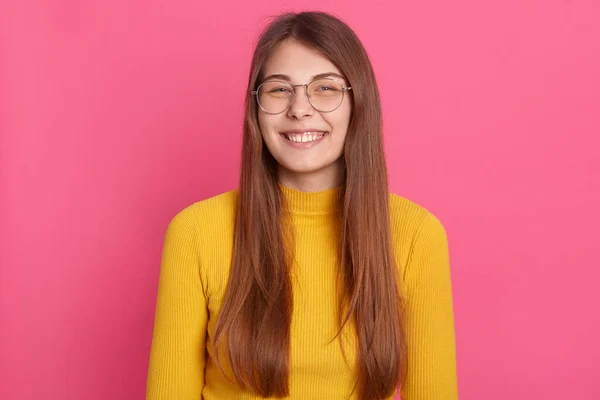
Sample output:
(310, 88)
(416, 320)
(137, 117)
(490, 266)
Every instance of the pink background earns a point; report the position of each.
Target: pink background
(117, 114)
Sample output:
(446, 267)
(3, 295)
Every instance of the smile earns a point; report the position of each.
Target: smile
(304, 137)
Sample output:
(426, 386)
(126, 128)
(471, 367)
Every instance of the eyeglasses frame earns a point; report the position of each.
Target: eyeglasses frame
(291, 101)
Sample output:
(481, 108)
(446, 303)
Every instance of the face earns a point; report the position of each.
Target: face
(313, 164)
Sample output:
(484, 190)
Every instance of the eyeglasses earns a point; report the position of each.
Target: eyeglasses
(324, 95)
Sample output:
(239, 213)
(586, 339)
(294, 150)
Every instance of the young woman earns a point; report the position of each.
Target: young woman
(310, 281)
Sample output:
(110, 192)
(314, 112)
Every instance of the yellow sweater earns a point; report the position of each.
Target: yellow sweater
(193, 276)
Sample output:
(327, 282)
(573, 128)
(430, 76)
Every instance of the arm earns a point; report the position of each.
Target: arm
(177, 356)
(429, 317)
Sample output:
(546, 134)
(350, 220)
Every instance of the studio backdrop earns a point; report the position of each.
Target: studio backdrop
(115, 115)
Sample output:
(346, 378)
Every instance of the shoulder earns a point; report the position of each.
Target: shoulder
(207, 213)
(411, 224)
(405, 213)
(215, 206)
(218, 206)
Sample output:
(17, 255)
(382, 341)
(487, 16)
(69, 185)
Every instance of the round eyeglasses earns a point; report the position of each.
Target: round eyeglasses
(324, 95)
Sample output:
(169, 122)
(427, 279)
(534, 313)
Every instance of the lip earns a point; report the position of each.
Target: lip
(301, 131)
(303, 145)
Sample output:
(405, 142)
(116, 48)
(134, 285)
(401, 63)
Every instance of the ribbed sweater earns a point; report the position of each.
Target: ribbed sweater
(194, 271)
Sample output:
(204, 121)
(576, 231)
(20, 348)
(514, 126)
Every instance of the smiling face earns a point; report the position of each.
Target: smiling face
(306, 143)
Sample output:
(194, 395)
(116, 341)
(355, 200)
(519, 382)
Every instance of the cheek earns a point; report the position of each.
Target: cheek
(340, 121)
(342, 114)
(261, 122)
(265, 127)
(266, 122)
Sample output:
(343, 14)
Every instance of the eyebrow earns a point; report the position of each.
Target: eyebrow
(318, 76)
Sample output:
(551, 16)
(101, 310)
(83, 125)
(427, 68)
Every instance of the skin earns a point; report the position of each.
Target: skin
(319, 167)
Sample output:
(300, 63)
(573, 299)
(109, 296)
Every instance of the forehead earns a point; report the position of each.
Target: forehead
(297, 61)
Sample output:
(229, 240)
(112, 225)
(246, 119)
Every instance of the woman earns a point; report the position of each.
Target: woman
(310, 281)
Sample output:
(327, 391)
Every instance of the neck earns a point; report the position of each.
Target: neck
(322, 203)
(326, 178)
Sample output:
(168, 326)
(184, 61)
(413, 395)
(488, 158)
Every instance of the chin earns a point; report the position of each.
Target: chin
(298, 168)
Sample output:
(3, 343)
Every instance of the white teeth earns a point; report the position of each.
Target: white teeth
(303, 138)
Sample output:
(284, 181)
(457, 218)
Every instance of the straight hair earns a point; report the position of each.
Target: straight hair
(254, 320)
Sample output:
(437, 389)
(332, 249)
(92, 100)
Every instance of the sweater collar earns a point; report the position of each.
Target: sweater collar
(322, 202)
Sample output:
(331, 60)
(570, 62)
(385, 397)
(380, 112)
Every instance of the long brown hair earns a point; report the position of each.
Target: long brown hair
(255, 316)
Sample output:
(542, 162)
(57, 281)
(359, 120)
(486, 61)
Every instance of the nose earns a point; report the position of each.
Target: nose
(300, 106)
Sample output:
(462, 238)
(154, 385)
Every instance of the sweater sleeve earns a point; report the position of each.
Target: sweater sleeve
(177, 355)
(429, 317)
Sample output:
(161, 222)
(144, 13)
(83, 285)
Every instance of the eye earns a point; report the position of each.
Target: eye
(326, 88)
(279, 89)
